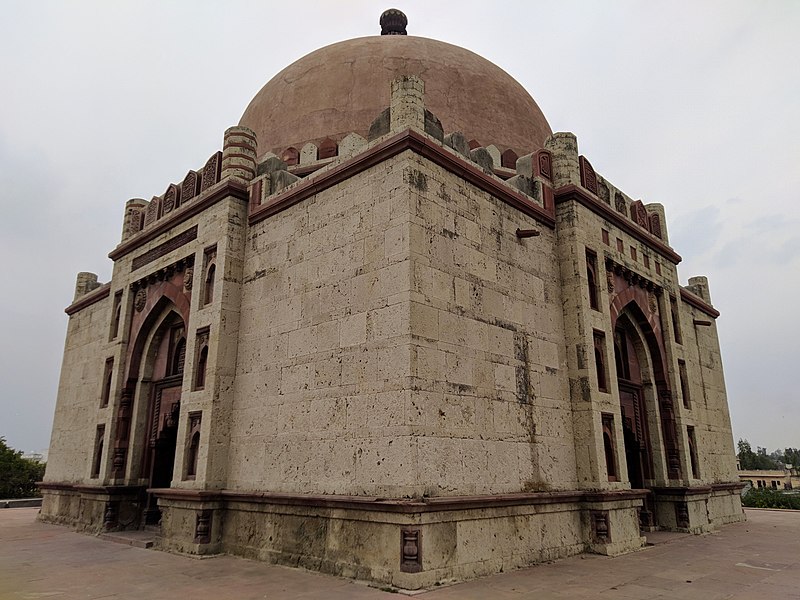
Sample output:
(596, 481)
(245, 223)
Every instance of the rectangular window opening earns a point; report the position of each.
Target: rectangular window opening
(684, 380)
(97, 457)
(108, 373)
(600, 360)
(591, 275)
(693, 452)
(676, 321)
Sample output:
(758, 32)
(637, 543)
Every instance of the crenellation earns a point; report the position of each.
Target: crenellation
(494, 152)
(351, 144)
(134, 217)
(308, 154)
(85, 282)
(483, 159)
(458, 142)
(699, 287)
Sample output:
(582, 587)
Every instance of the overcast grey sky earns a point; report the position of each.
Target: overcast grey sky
(693, 104)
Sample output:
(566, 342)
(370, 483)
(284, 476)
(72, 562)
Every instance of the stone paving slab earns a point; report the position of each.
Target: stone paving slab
(756, 559)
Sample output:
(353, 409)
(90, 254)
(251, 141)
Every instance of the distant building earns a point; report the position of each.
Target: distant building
(396, 329)
(778, 479)
(40, 457)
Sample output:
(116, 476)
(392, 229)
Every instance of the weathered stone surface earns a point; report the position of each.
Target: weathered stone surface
(401, 326)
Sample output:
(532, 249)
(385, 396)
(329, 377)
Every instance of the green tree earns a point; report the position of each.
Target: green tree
(791, 456)
(18, 476)
(747, 458)
(759, 460)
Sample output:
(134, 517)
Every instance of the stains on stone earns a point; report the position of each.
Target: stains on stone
(579, 389)
(259, 274)
(580, 353)
(380, 126)
(417, 179)
(522, 371)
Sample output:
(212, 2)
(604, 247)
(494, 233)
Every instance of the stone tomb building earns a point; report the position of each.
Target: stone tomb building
(397, 330)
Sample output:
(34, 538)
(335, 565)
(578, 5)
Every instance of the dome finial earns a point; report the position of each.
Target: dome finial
(393, 22)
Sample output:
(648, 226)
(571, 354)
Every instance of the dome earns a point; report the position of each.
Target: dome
(343, 87)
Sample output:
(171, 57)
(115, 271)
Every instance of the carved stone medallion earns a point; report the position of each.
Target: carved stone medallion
(188, 277)
(140, 300)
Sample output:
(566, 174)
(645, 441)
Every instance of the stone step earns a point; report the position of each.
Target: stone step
(137, 539)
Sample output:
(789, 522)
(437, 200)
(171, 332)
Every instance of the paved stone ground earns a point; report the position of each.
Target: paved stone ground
(759, 559)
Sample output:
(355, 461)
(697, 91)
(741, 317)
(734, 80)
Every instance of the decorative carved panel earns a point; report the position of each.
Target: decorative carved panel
(118, 463)
(202, 528)
(110, 515)
(682, 515)
(211, 171)
(545, 164)
(134, 219)
(588, 176)
(140, 300)
(171, 200)
(151, 213)
(410, 550)
(619, 203)
(604, 193)
(655, 225)
(639, 214)
(190, 186)
(600, 526)
(163, 249)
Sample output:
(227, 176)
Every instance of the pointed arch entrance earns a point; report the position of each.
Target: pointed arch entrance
(164, 367)
(150, 410)
(648, 419)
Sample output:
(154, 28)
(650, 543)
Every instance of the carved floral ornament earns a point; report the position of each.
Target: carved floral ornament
(188, 278)
(164, 274)
(140, 299)
(632, 277)
(652, 302)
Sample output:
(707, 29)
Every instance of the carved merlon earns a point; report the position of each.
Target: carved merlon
(407, 108)
(85, 283)
(699, 287)
(659, 224)
(134, 217)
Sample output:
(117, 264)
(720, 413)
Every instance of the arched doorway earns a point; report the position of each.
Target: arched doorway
(636, 434)
(648, 420)
(164, 363)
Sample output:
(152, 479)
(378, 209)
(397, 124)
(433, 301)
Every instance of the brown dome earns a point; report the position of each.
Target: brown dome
(343, 87)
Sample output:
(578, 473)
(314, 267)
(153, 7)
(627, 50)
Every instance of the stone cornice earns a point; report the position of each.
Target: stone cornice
(406, 140)
(224, 189)
(631, 276)
(578, 194)
(404, 506)
(698, 303)
(90, 489)
(95, 295)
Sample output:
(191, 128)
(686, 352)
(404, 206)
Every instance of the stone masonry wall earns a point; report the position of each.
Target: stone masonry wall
(709, 402)
(78, 409)
(324, 346)
(393, 324)
(488, 391)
